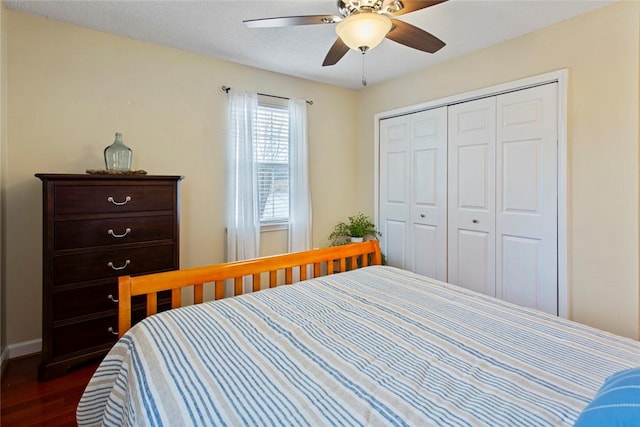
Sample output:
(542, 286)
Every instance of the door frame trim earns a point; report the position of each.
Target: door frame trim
(561, 78)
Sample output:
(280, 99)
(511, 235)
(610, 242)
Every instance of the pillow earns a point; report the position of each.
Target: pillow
(617, 403)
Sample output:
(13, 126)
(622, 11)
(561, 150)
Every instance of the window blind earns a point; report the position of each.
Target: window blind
(272, 162)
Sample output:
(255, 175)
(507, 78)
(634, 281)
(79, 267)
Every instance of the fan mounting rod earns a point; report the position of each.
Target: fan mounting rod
(350, 7)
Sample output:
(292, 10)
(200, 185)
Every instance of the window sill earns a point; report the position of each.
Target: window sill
(274, 227)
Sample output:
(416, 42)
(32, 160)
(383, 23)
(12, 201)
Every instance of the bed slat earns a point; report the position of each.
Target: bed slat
(152, 304)
(198, 293)
(256, 282)
(238, 285)
(273, 279)
(176, 297)
(219, 284)
(343, 264)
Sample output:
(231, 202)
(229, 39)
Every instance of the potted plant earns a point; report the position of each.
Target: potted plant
(356, 229)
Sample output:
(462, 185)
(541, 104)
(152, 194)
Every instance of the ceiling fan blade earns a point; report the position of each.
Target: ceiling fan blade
(412, 36)
(285, 21)
(407, 6)
(335, 54)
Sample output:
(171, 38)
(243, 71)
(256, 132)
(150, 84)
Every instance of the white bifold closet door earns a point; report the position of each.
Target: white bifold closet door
(527, 198)
(472, 195)
(412, 192)
(502, 188)
(468, 195)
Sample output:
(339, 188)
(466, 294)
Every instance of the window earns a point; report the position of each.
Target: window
(272, 161)
(268, 181)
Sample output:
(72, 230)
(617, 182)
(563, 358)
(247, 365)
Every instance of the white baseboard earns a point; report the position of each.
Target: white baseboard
(24, 348)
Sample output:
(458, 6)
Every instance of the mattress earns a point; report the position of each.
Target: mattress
(374, 346)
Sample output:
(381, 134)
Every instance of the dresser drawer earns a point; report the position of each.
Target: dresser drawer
(85, 301)
(89, 300)
(112, 231)
(70, 199)
(101, 265)
(80, 336)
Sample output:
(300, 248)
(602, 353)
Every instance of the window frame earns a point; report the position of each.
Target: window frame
(282, 224)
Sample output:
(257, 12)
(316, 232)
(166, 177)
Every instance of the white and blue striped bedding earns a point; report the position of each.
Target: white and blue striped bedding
(374, 346)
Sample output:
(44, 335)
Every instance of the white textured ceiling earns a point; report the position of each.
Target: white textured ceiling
(214, 28)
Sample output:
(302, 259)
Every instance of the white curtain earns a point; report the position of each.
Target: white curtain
(243, 222)
(299, 192)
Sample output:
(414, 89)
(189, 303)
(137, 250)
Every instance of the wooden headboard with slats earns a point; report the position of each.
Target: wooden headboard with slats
(324, 261)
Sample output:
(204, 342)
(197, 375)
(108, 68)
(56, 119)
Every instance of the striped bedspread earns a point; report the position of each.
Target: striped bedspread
(376, 346)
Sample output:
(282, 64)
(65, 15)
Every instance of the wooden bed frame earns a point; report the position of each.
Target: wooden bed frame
(325, 261)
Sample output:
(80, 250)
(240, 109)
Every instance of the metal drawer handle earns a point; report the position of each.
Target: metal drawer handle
(422, 215)
(110, 329)
(126, 231)
(126, 200)
(475, 221)
(112, 298)
(126, 263)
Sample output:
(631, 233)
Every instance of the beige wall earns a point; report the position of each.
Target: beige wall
(71, 89)
(3, 168)
(601, 50)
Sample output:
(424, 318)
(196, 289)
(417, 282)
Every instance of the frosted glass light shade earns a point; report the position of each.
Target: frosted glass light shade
(363, 30)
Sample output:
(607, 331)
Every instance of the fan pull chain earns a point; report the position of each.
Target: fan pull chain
(364, 79)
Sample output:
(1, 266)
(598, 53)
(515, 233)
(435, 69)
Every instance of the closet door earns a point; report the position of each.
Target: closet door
(428, 215)
(413, 164)
(395, 153)
(526, 210)
(471, 241)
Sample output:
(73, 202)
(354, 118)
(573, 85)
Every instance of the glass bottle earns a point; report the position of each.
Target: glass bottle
(117, 156)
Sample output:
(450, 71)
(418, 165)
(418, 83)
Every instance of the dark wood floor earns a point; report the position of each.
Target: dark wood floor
(28, 402)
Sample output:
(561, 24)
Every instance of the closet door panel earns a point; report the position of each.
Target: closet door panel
(426, 250)
(473, 177)
(471, 181)
(526, 210)
(521, 190)
(395, 247)
(424, 214)
(425, 165)
(397, 190)
(473, 268)
(521, 262)
(395, 135)
(428, 237)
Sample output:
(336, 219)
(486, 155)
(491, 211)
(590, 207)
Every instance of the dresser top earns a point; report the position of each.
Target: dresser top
(89, 177)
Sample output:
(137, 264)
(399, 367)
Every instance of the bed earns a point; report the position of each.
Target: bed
(353, 343)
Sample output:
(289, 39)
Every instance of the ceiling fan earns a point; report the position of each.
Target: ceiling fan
(363, 24)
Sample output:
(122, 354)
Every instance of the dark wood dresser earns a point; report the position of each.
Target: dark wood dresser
(96, 228)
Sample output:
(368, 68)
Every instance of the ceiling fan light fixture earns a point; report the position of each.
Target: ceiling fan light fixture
(363, 30)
